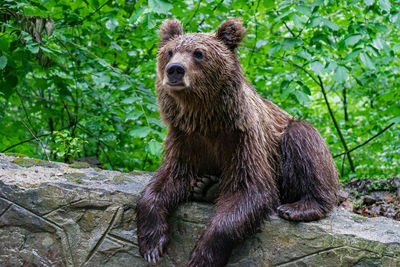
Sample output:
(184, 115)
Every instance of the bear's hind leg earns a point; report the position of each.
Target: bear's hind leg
(309, 181)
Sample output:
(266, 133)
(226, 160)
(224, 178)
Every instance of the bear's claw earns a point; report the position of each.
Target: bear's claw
(153, 255)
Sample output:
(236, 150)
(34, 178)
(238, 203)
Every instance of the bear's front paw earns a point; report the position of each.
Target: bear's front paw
(152, 248)
(204, 256)
(198, 259)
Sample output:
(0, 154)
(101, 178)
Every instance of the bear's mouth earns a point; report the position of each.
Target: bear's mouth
(176, 85)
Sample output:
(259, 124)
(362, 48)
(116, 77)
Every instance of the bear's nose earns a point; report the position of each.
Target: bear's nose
(175, 72)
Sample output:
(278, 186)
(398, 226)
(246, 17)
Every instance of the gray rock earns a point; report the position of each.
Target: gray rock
(54, 215)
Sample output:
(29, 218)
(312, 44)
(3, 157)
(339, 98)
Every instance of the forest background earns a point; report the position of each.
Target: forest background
(77, 77)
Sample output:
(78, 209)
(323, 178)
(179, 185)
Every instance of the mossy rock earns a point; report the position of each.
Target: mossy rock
(120, 179)
(17, 155)
(360, 218)
(79, 165)
(100, 177)
(76, 177)
(135, 172)
(28, 162)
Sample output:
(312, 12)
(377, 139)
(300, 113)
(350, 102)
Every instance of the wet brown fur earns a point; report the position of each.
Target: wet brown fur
(218, 125)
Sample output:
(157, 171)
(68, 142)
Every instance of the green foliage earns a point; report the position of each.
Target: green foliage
(65, 146)
(86, 70)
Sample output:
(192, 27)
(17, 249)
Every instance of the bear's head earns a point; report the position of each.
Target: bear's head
(199, 65)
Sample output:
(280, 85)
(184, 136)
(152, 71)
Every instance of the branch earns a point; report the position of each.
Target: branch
(88, 51)
(195, 12)
(215, 7)
(286, 26)
(97, 10)
(83, 129)
(336, 125)
(365, 142)
(321, 85)
(76, 84)
(31, 139)
(71, 120)
(101, 147)
(37, 139)
(256, 33)
(23, 107)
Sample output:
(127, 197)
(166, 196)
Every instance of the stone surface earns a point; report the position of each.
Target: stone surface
(55, 215)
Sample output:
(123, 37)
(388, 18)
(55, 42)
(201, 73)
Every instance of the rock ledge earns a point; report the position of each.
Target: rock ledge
(55, 215)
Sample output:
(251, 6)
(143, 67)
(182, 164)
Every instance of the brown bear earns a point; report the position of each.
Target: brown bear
(218, 125)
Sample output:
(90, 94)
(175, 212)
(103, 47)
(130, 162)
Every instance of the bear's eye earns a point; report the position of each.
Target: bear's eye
(169, 54)
(198, 55)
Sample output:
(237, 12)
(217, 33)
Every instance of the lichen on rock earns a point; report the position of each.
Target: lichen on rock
(76, 177)
(28, 162)
(121, 179)
(79, 165)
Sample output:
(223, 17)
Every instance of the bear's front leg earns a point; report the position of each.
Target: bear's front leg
(237, 215)
(169, 186)
(248, 194)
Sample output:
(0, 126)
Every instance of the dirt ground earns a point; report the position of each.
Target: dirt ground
(372, 197)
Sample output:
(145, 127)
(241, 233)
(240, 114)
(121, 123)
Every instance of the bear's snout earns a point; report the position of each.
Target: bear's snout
(175, 73)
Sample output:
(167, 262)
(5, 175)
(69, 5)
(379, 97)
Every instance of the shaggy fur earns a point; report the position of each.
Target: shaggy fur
(218, 125)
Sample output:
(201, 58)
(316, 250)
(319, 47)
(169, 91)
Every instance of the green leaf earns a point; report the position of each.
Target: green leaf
(130, 100)
(149, 21)
(124, 86)
(3, 62)
(317, 2)
(396, 46)
(268, 4)
(94, 3)
(395, 18)
(302, 98)
(275, 48)
(299, 21)
(115, 46)
(156, 122)
(304, 54)
(111, 24)
(332, 66)
(353, 39)
(287, 89)
(159, 6)
(384, 5)
(140, 132)
(289, 43)
(135, 17)
(261, 43)
(353, 54)
(369, 2)
(303, 9)
(341, 74)
(331, 25)
(378, 43)
(305, 88)
(367, 61)
(394, 120)
(316, 21)
(134, 116)
(33, 48)
(283, 15)
(317, 67)
(155, 148)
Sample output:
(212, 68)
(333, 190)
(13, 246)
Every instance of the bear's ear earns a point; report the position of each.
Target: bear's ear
(231, 32)
(169, 29)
